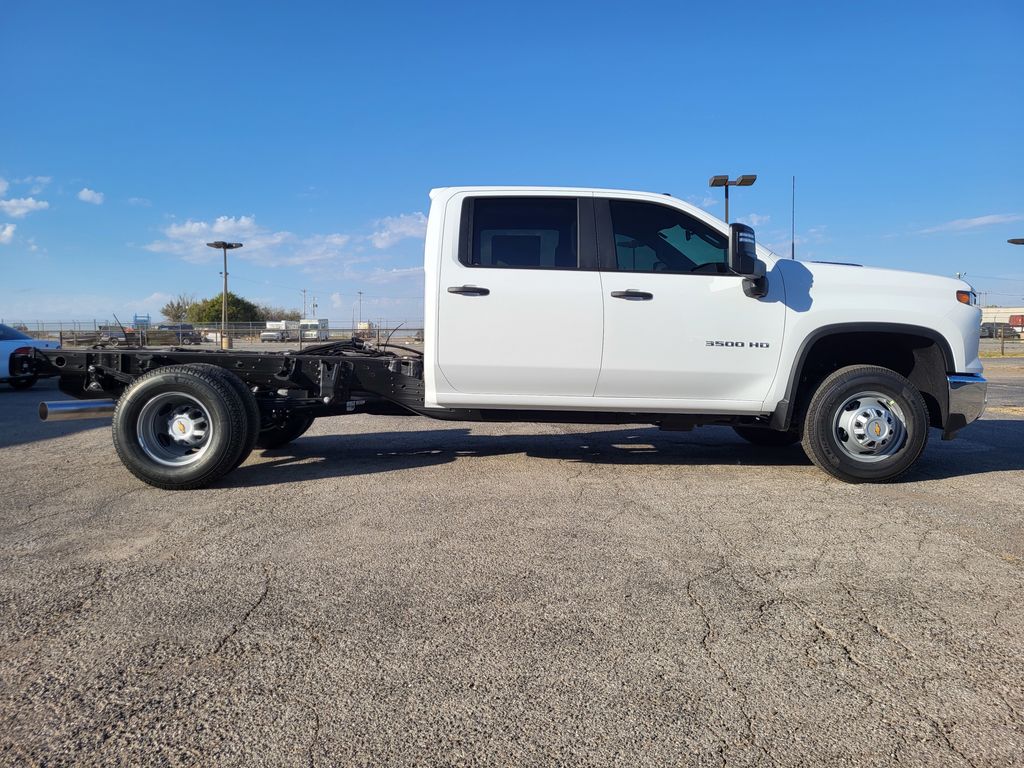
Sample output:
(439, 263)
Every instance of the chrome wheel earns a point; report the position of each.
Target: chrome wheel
(174, 429)
(870, 427)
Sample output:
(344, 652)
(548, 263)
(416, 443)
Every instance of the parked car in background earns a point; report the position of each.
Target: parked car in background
(999, 331)
(119, 338)
(185, 333)
(16, 359)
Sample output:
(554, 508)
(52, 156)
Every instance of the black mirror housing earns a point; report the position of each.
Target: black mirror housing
(742, 250)
(743, 260)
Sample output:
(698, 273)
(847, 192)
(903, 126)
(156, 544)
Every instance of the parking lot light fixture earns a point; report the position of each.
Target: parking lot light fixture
(1016, 241)
(744, 180)
(225, 342)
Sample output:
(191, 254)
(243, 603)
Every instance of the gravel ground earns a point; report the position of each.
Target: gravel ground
(397, 591)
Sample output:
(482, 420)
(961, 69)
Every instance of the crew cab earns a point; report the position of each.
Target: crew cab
(587, 306)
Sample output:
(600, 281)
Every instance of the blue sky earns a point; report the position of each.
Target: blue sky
(133, 132)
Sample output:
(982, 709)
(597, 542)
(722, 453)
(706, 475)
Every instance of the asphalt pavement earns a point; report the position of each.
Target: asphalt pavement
(398, 591)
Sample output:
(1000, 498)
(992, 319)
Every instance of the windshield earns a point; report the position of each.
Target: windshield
(9, 334)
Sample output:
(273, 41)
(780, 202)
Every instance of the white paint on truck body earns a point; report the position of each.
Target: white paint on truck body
(556, 338)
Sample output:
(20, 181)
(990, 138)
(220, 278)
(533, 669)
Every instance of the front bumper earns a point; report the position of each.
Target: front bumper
(967, 397)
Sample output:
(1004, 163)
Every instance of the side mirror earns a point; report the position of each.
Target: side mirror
(743, 260)
(743, 251)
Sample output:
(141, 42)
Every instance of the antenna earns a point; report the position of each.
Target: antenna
(792, 231)
(122, 328)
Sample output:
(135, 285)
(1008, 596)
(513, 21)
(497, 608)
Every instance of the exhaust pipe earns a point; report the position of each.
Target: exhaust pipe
(68, 410)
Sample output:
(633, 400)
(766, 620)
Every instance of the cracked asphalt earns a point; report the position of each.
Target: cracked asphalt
(397, 591)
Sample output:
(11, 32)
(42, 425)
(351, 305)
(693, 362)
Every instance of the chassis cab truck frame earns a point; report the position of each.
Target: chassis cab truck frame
(588, 306)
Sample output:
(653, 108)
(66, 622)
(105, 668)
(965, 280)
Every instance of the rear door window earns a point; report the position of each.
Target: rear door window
(521, 233)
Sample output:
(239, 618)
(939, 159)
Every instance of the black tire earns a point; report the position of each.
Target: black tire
(24, 383)
(768, 438)
(252, 408)
(294, 426)
(152, 456)
(865, 424)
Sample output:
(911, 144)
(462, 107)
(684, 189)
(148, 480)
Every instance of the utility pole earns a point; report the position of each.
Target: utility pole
(360, 306)
(303, 303)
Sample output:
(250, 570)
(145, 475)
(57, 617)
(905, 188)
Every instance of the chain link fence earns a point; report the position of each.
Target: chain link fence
(111, 334)
(1002, 333)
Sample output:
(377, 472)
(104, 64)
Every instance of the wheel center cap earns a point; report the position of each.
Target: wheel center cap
(181, 428)
(877, 429)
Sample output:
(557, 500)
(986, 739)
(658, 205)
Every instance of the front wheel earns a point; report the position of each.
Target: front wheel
(865, 424)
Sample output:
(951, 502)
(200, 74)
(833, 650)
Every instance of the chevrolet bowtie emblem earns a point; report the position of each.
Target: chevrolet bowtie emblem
(878, 430)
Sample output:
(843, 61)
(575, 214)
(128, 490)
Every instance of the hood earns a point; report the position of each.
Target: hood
(871, 280)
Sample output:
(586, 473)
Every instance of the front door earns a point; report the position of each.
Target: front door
(677, 323)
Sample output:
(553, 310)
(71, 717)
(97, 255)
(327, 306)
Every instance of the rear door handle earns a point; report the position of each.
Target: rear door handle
(630, 295)
(468, 290)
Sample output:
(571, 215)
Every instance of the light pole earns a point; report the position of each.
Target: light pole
(1016, 241)
(225, 342)
(724, 181)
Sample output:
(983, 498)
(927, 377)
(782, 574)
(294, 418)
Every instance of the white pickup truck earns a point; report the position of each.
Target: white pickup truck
(582, 305)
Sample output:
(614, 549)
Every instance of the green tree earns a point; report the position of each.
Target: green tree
(209, 310)
(278, 313)
(176, 310)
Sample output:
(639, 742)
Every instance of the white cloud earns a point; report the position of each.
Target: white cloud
(780, 243)
(7, 233)
(754, 219)
(705, 202)
(32, 305)
(394, 228)
(959, 225)
(36, 184)
(267, 247)
(188, 240)
(20, 207)
(91, 196)
(3, 185)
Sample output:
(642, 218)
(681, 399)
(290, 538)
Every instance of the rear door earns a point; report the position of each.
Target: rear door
(519, 303)
(677, 323)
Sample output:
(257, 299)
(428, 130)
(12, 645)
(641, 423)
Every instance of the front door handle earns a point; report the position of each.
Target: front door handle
(631, 295)
(468, 290)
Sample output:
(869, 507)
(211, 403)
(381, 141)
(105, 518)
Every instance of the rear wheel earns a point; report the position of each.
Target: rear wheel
(181, 427)
(24, 383)
(865, 424)
(768, 438)
(248, 399)
(295, 425)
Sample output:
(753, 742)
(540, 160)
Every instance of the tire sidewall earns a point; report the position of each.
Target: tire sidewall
(826, 442)
(224, 442)
(295, 426)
